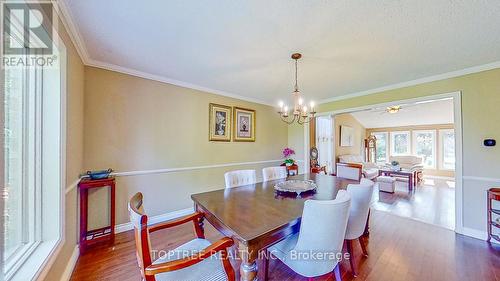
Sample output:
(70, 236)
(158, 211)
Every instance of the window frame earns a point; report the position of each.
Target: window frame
(441, 133)
(33, 260)
(392, 146)
(387, 141)
(434, 147)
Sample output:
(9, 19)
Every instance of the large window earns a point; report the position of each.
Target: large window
(447, 149)
(381, 145)
(424, 145)
(33, 181)
(400, 143)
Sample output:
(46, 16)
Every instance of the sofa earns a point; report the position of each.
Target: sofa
(409, 163)
(369, 171)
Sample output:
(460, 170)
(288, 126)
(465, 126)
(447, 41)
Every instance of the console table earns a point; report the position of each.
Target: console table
(104, 234)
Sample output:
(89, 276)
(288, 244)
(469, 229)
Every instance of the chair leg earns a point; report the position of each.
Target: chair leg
(266, 266)
(351, 257)
(336, 272)
(363, 246)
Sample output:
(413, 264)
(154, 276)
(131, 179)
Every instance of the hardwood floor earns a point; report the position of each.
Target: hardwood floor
(399, 249)
(433, 201)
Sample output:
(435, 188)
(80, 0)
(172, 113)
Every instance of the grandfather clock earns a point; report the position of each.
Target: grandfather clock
(371, 149)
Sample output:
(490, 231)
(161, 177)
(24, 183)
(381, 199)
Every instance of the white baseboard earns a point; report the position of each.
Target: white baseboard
(70, 266)
(155, 219)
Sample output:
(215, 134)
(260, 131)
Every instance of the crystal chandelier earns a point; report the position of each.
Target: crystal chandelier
(299, 112)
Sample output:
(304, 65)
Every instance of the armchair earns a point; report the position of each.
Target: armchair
(190, 261)
(369, 170)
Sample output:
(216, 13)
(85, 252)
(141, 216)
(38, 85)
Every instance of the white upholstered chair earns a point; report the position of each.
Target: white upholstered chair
(239, 178)
(322, 232)
(197, 259)
(350, 171)
(273, 173)
(361, 197)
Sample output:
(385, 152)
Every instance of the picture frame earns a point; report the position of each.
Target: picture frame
(244, 124)
(219, 122)
(346, 136)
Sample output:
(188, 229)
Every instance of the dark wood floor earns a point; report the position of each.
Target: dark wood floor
(400, 249)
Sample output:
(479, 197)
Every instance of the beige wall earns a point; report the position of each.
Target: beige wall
(74, 152)
(436, 128)
(359, 135)
(135, 124)
(480, 116)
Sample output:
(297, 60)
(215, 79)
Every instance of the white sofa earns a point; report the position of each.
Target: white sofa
(370, 170)
(409, 163)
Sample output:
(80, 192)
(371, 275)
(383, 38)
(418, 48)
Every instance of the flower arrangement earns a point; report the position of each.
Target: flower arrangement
(395, 166)
(287, 152)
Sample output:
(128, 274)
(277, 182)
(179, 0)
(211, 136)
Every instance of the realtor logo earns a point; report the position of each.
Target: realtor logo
(27, 28)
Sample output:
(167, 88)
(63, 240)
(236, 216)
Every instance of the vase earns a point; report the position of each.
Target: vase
(396, 168)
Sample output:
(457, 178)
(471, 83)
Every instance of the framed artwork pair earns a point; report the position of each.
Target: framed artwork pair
(226, 122)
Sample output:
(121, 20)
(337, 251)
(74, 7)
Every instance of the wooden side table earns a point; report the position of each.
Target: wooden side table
(294, 168)
(493, 195)
(100, 235)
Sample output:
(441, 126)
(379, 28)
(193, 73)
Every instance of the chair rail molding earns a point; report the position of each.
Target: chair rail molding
(179, 169)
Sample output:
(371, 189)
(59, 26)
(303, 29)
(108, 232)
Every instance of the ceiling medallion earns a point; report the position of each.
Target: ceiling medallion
(299, 113)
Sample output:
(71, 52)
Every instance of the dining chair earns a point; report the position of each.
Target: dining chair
(239, 178)
(321, 234)
(361, 197)
(352, 171)
(197, 259)
(274, 173)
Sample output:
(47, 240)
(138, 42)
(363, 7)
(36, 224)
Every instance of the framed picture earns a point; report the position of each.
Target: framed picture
(219, 122)
(346, 136)
(244, 124)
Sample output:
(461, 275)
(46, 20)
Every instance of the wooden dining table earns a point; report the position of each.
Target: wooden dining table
(256, 216)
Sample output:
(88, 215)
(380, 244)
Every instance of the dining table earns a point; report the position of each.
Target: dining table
(256, 216)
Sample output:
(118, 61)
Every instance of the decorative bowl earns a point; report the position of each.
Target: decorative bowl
(97, 175)
(296, 186)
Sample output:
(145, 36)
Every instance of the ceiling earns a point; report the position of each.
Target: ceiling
(425, 113)
(243, 48)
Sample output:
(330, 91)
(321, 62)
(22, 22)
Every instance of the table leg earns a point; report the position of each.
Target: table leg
(248, 267)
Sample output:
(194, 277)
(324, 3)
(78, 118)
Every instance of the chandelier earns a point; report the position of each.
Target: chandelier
(299, 112)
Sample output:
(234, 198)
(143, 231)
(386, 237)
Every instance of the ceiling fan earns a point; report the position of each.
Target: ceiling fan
(393, 109)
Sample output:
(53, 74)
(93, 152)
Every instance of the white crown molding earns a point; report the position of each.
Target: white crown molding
(76, 37)
(162, 79)
(447, 75)
(481, 179)
(67, 19)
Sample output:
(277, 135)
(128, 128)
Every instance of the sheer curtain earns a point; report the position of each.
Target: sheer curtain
(324, 142)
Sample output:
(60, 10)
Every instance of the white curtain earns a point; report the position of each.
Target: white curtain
(324, 142)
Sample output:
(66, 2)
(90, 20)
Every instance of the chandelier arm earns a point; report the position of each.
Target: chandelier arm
(287, 120)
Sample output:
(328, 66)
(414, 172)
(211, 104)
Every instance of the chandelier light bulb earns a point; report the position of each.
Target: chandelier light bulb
(304, 109)
(281, 104)
(312, 105)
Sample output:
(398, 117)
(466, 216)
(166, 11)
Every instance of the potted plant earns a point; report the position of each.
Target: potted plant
(395, 166)
(287, 153)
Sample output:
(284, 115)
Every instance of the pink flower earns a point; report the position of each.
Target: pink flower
(287, 152)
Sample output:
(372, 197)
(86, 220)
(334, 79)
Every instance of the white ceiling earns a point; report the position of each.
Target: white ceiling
(243, 47)
(427, 113)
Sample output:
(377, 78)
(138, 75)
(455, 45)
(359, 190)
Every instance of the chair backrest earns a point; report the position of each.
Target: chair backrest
(142, 242)
(350, 158)
(324, 223)
(239, 178)
(273, 173)
(350, 171)
(361, 197)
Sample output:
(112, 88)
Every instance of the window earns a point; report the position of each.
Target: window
(33, 158)
(424, 145)
(400, 143)
(324, 141)
(382, 144)
(447, 149)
